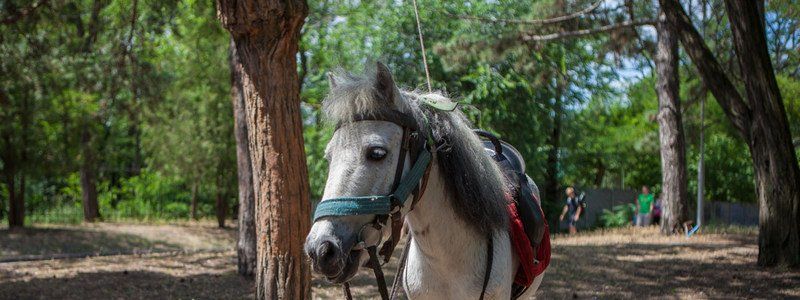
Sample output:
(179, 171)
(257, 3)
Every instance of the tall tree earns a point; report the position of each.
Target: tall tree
(266, 36)
(11, 156)
(674, 196)
(88, 140)
(246, 245)
(759, 117)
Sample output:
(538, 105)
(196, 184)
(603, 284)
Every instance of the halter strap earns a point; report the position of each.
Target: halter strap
(376, 205)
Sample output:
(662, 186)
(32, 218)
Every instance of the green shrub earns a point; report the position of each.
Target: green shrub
(150, 195)
(618, 216)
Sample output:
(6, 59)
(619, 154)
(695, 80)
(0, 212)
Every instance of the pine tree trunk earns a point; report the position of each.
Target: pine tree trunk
(246, 245)
(551, 185)
(266, 36)
(774, 158)
(10, 158)
(16, 203)
(91, 210)
(761, 121)
(674, 195)
(222, 208)
(193, 203)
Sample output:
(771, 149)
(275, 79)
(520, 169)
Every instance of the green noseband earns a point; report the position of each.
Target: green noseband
(376, 205)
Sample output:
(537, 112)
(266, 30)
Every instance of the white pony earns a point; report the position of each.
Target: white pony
(463, 203)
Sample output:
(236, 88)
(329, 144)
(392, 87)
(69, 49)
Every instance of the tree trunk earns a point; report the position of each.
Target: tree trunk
(600, 172)
(91, 211)
(246, 246)
(266, 36)
(774, 158)
(193, 203)
(11, 159)
(222, 208)
(674, 195)
(551, 188)
(16, 203)
(761, 121)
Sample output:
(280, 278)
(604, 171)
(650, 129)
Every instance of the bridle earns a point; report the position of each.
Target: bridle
(420, 148)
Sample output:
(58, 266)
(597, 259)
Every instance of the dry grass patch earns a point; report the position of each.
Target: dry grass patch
(612, 264)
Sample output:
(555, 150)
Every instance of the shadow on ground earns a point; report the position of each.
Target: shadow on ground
(720, 267)
(639, 264)
(131, 285)
(626, 263)
(70, 241)
(47, 241)
(153, 276)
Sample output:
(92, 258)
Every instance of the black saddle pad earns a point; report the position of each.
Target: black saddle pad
(521, 186)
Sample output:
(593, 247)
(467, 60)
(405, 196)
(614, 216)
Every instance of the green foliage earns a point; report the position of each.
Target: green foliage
(618, 216)
(149, 98)
(150, 195)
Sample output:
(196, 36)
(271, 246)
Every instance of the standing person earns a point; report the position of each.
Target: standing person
(644, 206)
(573, 208)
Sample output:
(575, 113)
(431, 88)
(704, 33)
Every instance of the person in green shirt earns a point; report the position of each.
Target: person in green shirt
(644, 206)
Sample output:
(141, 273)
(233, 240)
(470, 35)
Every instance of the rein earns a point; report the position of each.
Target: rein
(385, 207)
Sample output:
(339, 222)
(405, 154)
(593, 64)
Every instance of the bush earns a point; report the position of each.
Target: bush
(618, 216)
(150, 195)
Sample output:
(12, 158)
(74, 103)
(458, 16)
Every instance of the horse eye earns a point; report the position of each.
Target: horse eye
(376, 153)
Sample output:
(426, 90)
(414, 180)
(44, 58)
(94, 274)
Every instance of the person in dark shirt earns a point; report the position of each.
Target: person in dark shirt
(573, 208)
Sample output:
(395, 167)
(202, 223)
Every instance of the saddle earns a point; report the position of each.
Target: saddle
(525, 211)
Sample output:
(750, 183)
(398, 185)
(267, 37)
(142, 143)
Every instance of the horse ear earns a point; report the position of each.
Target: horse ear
(384, 83)
(331, 80)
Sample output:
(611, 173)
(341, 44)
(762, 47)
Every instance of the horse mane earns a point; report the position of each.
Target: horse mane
(470, 175)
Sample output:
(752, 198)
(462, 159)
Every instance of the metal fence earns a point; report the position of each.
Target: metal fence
(745, 214)
(715, 212)
(598, 199)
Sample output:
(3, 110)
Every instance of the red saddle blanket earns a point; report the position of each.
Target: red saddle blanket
(530, 264)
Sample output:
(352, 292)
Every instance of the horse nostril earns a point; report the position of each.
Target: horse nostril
(326, 253)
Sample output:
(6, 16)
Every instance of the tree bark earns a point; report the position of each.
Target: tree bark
(600, 172)
(193, 203)
(266, 36)
(246, 245)
(9, 154)
(774, 158)
(551, 186)
(16, 200)
(674, 195)
(761, 121)
(91, 210)
(222, 208)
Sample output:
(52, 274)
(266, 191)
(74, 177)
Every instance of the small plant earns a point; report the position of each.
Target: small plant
(618, 216)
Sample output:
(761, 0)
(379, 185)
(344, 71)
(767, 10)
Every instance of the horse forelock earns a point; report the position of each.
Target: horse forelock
(472, 179)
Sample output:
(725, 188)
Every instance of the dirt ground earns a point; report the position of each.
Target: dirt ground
(196, 261)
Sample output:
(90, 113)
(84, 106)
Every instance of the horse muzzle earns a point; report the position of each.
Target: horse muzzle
(333, 258)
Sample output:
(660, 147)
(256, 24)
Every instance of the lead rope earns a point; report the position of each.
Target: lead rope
(398, 278)
(376, 267)
(422, 45)
(346, 289)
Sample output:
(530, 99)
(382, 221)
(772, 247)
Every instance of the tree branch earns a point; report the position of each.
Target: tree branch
(94, 21)
(532, 22)
(527, 37)
(18, 15)
(711, 72)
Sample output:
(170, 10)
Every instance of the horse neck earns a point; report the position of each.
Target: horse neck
(437, 231)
